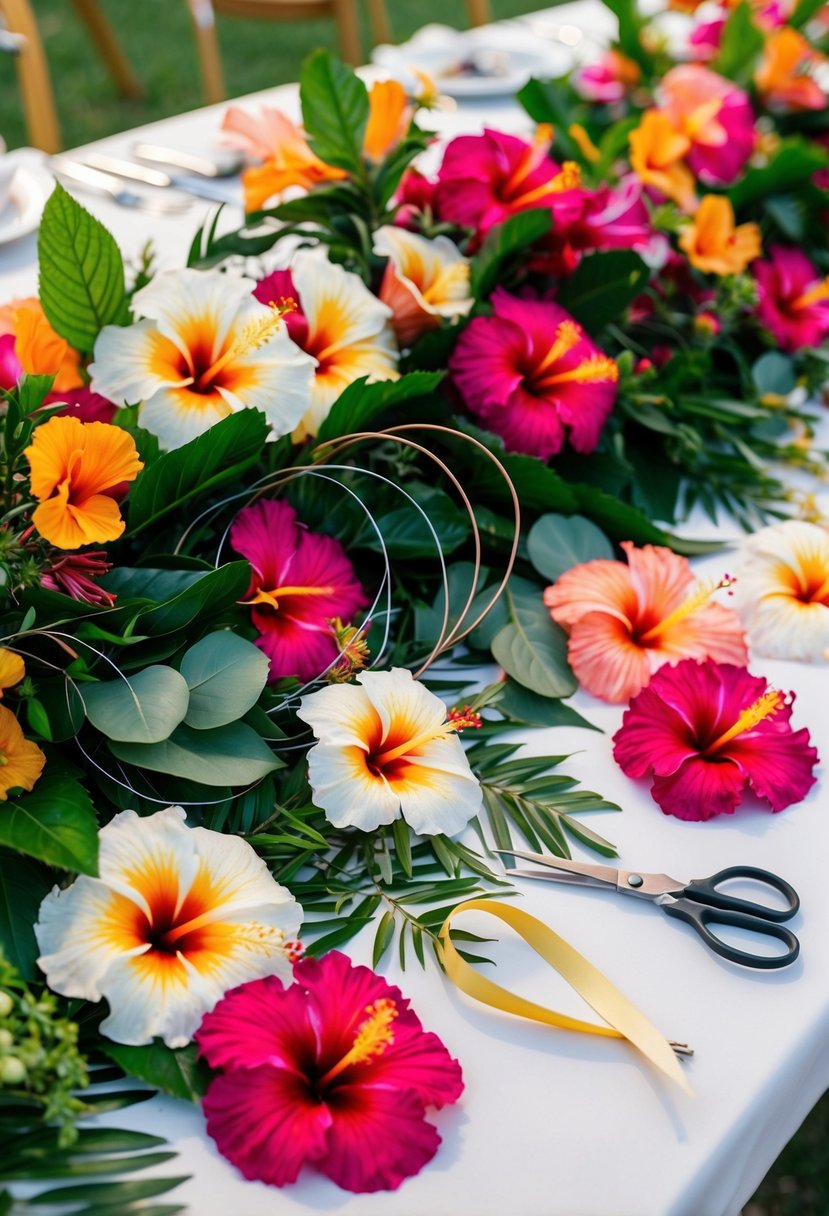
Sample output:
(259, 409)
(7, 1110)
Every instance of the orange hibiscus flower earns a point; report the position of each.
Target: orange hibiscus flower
(714, 244)
(21, 761)
(40, 350)
(74, 467)
(625, 621)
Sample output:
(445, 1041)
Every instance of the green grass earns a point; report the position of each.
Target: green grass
(157, 37)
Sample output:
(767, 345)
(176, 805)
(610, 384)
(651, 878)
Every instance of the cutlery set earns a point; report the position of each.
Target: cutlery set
(159, 168)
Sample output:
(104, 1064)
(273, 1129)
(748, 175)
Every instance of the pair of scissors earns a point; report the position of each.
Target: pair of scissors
(699, 903)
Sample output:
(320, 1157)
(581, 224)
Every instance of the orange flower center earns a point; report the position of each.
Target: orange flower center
(689, 605)
(374, 1035)
(379, 762)
(272, 598)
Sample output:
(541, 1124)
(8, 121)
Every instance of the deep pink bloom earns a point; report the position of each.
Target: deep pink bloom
(609, 79)
(84, 404)
(706, 731)
(706, 37)
(413, 196)
(74, 575)
(532, 375)
(585, 220)
(276, 288)
(10, 366)
(335, 1071)
(486, 178)
(715, 116)
(301, 582)
(793, 298)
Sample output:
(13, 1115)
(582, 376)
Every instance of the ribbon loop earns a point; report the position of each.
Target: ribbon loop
(625, 1020)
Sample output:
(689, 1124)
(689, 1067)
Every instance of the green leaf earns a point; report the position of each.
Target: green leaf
(794, 162)
(219, 455)
(546, 101)
(407, 534)
(602, 286)
(181, 596)
(383, 937)
(522, 705)
(402, 845)
(361, 402)
(22, 887)
(631, 25)
(116, 1195)
(531, 648)
(54, 823)
(225, 675)
(620, 521)
(774, 373)
(142, 708)
(804, 11)
(502, 243)
(740, 44)
(334, 110)
(556, 543)
(81, 280)
(177, 1072)
(226, 755)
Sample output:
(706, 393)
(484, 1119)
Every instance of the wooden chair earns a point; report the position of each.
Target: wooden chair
(42, 124)
(343, 12)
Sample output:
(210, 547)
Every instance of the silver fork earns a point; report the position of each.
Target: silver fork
(105, 183)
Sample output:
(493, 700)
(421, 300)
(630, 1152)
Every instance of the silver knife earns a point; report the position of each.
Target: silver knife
(227, 164)
(214, 191)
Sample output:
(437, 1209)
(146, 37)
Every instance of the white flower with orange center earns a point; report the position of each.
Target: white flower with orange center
(424, 281)
(177, 917)
(342, 326)
(782, 591)
(386, 749)
(203, 348)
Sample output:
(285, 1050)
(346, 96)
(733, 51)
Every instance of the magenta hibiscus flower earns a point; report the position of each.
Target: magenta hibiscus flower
(531, 374)
(793, 298)
(301, 582)
(335, 1071)
(706, 731)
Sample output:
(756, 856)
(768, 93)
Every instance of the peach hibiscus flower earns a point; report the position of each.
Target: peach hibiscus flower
(627, 620)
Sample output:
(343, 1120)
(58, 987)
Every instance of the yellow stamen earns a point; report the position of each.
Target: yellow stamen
(403, 749)
(3, 759)
(374, 1035)
(254, 335)
(694, 601)
(584, 143)
(272, 597)
(568, 179)
(597, 367)
(763, 707)
(568, 335)
(814, 295)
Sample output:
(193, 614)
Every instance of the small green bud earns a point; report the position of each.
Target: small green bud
(6, 1041)
(6, 1004)
(12, 1071)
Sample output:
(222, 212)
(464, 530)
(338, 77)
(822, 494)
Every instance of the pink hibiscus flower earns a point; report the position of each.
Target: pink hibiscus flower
(532, 375)
(793, 298)
(301, 582)
(585, 220)
(714, 116)
(335, 1071)
(705, 38)
(486, 178)
(706, 731)
(609, 79)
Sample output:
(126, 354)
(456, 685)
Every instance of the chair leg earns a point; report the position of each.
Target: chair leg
(126, 81)
(478, 11)
(33, 71)
(348, 31)
(378, 19)
(207, 47)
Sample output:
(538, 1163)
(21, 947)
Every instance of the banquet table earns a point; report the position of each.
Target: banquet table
(551, 1123)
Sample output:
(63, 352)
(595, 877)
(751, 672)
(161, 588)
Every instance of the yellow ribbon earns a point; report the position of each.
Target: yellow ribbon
(625, 1020)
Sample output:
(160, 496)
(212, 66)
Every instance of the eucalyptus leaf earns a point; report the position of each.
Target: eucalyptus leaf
(530, 648)
(522, 705)
(54, 823)
(226, 755)
(774, 374)
(556, 543)
(81, 279)
(143, 708)
(225, 675)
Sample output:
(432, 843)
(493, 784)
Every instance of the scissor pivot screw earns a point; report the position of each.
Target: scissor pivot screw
(635, 880)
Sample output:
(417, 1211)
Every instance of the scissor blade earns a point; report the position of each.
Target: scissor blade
(576, 880)
(572, 871)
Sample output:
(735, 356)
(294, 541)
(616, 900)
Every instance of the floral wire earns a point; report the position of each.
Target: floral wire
(456, 634)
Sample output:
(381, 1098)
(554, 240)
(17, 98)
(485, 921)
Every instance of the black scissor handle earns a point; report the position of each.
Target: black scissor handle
(700, 916)
(706, 891)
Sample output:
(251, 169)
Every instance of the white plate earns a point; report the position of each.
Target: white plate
(22, 207)
(515, 68)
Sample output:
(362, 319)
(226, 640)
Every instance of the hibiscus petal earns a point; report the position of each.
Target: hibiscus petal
(338, 993)
(653, 736)
(177, 415)
(261, 1022)
(348, 792)
(700, 789)
(596, 586)
(378, 1138)
(437, 790)
(418, 1061)
(777, 763)
(267, 1123)
(605, 659)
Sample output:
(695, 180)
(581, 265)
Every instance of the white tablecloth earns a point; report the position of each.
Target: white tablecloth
(556, 1124)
